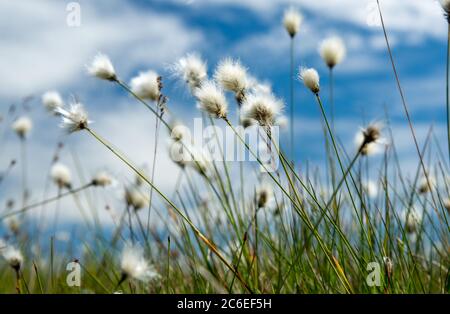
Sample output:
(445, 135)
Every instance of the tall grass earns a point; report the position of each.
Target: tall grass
(226, 228)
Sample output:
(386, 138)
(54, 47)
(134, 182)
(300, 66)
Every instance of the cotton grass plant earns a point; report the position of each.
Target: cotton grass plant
(220, 231)
(292, 21)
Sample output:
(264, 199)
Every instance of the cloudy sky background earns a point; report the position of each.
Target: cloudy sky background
(41, 52)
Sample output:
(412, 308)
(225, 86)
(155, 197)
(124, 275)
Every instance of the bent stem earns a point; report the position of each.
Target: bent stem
(44, 202)
(333, 141)
(405, 108)
(199, 234)
(300, 211)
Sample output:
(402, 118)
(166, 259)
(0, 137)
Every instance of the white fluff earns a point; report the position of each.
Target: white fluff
(102, 178)
(371, 189)
(74, 119)
(310, 78)
(22, 126)
(411, 219)
(264, 195)
(424, 184)
(332, 50)
(231, 75)
(292, 20)
(135, 198)
(102, 68)
(52, 100)
(369, 139)
(263, 108)
(447, 205)
(134, 265)
(246, 122)
(179, 132)
(13, 224)
(211, 99)
(61, 175)
(13, 257)
(191, 69)
(369, 149)
(178, 153)
(147, 85)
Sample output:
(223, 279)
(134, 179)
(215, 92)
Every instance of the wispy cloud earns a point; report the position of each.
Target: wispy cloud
(44, 52)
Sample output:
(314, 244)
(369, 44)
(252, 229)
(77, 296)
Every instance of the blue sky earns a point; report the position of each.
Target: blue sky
(40, 52)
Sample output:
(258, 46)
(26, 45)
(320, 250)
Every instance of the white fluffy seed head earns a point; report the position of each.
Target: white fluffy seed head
(412, 220)
(135, 198)
(447, 205)
(211, 99)
(13, 257)
(311, 79)
(147, 85)
(263, 108)
(368, 140)
(13, 224)
(74, 119)
(61, 175)
(102, 178)
(178, 153)
(264, 195)
(22, 126)
(368, 149)
(179, 132)
(426, 185)
(52, 100)
(134, 265)
(332, 50)
(246, 122)
(102, 68)
(232, 76)
(371, 189)
(292, 20)
(191, 69)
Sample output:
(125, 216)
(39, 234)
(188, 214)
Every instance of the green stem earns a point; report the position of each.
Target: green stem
(153, 171)
(210, 245)
(447, 98)
(59, 196)
(332, 98)
(292, 98)
(405, 108)
(23, 152)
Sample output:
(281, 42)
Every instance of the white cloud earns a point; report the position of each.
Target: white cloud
(406, 16)
(43, 52)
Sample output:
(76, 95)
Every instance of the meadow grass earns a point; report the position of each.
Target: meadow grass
(298, 229)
